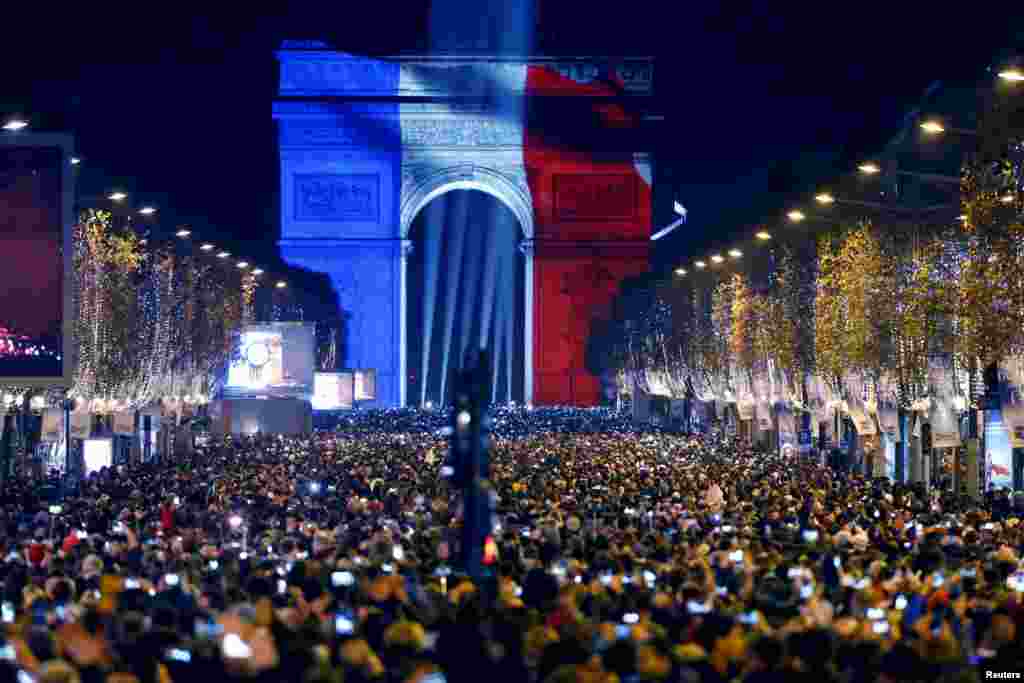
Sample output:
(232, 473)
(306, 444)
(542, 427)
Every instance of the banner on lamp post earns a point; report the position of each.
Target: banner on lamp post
(945, 425)
(53, 425)
(764, 416)
(942, 414)
(124, 423)
(81, 424)
(787, 424)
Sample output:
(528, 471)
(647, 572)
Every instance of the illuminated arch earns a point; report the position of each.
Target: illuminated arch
(469, 177)
(513, 195)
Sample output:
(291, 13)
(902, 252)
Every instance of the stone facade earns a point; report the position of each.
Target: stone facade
(366, 144)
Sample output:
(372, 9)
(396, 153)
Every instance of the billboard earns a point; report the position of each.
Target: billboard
(97, 453)
(273, 359)
(36, 215)
(366, 385)
(333, 390)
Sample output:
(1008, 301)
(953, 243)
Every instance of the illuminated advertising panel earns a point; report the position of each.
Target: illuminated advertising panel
(365, 385)
(97, 453)
(36, 215)
(333, 390)
(273, 359)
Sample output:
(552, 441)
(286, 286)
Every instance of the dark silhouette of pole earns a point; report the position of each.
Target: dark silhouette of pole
(468, 465)
(67, 405)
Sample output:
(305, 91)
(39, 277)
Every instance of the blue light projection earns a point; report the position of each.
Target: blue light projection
(340, 191)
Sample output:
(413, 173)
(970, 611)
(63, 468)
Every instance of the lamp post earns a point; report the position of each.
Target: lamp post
(934, 127)
(468, 460)
(67, 405)
(680, 211)
(15, 125)
(7, 441)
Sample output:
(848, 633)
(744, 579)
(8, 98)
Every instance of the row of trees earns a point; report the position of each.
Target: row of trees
(153, 321)
(874, 310)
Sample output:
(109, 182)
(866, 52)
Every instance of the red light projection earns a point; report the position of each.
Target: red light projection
(592, 214)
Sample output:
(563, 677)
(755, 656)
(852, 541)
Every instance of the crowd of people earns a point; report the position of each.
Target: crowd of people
(615, 554)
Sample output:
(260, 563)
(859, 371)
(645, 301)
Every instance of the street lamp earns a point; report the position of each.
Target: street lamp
(680, 272)
(763, 235)
(183, 233)
(824, 198)
(716, 258)
(868, 168)
(207, 247)
(15, 125)
(257, 271)
(281, 284)
(1012, 75)
(933, 127)
(147, 210)
(796, 215)
(735, 253)
(117, 196)
(75, 161)
(680, 211)
(242, 265)
(224, 254)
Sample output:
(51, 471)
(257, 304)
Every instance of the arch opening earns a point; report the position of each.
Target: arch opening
(468, 177)
(465, 290)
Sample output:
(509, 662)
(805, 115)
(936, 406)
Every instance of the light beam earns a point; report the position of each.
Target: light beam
(454, 275)
(433, 232)
(471, 290)
(492, 243)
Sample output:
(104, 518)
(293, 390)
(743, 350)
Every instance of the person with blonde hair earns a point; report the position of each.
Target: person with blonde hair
(57, 671)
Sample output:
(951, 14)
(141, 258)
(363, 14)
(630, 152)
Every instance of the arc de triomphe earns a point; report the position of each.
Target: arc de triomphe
(366, 143)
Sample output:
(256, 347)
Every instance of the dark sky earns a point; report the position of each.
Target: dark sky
(173, 104)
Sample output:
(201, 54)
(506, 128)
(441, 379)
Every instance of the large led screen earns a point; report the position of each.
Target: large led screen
(274, 359)
(333, 390)
(35, 219)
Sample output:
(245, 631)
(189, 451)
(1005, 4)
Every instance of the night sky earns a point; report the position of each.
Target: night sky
(762, 100)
